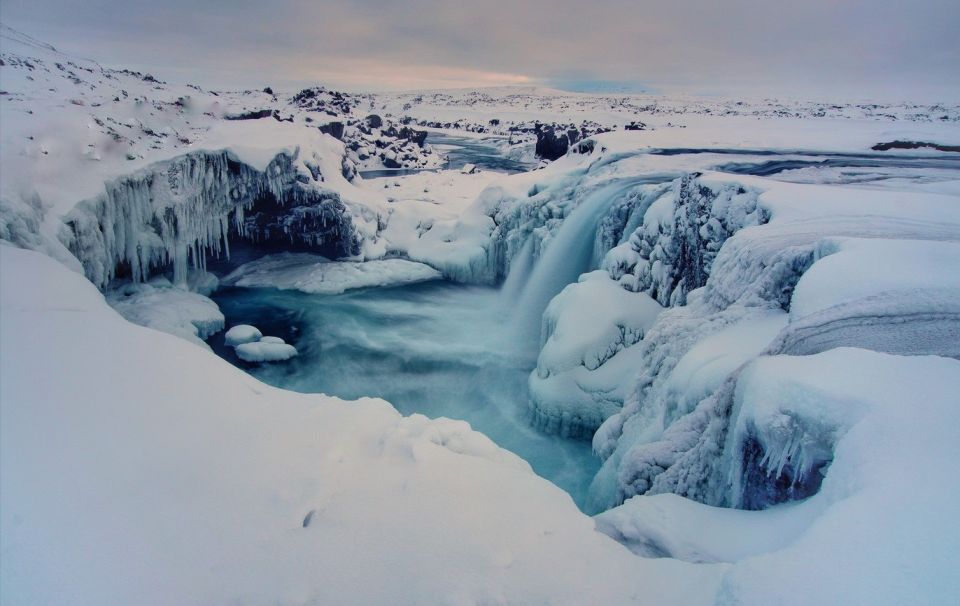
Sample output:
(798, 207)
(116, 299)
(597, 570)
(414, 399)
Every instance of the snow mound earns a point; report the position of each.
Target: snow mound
(587, 331)
(266, 350)
(242, 333)
(317, 275)
(160, 305)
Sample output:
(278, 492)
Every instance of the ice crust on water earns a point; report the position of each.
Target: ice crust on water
(317, 275)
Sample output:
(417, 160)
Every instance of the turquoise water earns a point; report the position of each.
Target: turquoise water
(439, 349)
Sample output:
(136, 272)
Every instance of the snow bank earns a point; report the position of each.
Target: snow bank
(878, 431)
(160, 305)
(315, 274)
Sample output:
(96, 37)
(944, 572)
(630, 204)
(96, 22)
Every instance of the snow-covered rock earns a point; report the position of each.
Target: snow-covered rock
(587, 330)
(266, 350)
(242, 333)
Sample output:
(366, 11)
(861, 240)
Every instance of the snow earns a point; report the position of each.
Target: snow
(160, 305)
(888, 495)
(708, 313)
(315, 274)
(587, 326)
(215, 488)
(878, 531)
(266, 350)
(242, 333)
(852, 269)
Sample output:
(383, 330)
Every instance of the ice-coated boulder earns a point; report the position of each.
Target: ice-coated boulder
(241, 334)
(266, 351)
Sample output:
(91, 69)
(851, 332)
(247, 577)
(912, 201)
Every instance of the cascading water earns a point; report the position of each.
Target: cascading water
(518, 276)
(568, 254)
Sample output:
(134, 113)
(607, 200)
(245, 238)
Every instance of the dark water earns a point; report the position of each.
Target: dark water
(439, 349)
(458, 151)
(393, 172)
(774, 167)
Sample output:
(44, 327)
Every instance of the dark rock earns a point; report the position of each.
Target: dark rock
(915, 145)
(334, 129)
(415, 136)
(550, 145)
(374, 121)
(250, 115)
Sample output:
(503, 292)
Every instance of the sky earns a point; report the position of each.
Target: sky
(845, 49)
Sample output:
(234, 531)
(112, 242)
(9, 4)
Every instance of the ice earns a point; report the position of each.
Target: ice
(266, 350)
(242, 333)
(682, 231)
(587, 326)
(875, 429)
(160, 305)
(568, 254)
(669, 526)
(318, 275)
(852, 269)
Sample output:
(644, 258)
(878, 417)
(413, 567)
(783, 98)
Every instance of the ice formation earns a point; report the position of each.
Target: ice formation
(178, 212)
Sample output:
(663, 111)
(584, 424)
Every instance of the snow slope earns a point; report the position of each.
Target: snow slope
(125, 483)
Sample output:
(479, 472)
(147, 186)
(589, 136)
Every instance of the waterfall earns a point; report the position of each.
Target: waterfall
(569, 254)
(518, 275)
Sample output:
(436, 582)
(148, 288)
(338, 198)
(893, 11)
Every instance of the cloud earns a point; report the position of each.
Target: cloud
(815, 48)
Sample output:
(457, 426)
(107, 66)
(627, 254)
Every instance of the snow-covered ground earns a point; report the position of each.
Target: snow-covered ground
(752, 312)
